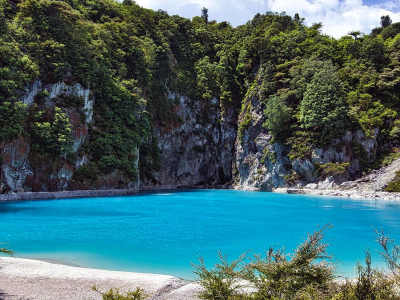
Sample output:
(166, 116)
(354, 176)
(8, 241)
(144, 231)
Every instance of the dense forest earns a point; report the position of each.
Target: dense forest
(136, 63)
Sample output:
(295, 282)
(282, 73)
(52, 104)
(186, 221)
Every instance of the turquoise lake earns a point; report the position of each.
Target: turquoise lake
(162, 232)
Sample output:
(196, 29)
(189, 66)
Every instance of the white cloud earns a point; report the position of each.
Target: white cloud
(337, 16)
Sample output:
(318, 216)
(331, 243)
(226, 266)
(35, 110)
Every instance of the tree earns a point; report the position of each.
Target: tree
(298, 20)
(204, 14)
(278, 117)
(12, 115)
(385, 21)
(354, 33)
(323, 109)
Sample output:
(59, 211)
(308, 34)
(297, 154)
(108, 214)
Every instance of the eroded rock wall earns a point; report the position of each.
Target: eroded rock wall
(23, 170)
(261, 164)
(198, 150)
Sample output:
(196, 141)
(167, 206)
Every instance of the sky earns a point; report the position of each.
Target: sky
(337, 16)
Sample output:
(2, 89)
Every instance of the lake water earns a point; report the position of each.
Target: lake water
(162, 232)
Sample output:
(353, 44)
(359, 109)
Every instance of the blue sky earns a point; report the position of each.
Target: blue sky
(337, 16)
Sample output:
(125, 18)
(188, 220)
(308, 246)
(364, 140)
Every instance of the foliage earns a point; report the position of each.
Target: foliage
(138, 64)
(87, 172)
(301, 146)
(116, 294)
(221, 282)
(323, 108)
(370, 284)
(308, 273)
(51, 132)
(6, 251)
(291, 178)
(246, 122)
(360, 153)
(278, 117)
(334, 169)
(394, 185)
(385, 21)
(12, 115)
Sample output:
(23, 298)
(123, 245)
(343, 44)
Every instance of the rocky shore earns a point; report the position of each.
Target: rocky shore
(355, 194)
(371, 186)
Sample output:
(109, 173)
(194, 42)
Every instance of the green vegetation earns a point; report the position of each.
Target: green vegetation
(334, 169)
(394, 185)
(6, 251)
(116, 294)
(137, 63)
(308, 273)
(245, 124)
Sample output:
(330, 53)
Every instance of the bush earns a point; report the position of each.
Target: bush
(307, 275)
(394, 185)
(6, 251)
(370, 284)
(245, 124)
(116, 294)
(87, 172)
(221, 282)
(334, 169)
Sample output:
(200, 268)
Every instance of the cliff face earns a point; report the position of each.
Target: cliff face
(24, 170)
(199, 150)
(261, 164)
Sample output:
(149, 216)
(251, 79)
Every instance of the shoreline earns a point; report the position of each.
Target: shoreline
(338, 192)
(19, 196)
(22, 278)
(65, 194)
(353, 194)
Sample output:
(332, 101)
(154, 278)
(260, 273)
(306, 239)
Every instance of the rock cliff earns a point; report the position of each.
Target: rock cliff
(265, 165)
(199, 149)
(24, 170)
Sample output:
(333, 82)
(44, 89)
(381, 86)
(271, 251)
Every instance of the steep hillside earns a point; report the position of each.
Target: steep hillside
(101, 94)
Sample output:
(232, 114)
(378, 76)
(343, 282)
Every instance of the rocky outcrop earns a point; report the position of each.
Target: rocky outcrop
(370, 186)
(198, 150)
(24, 170)
(16, 170)
(261, 164)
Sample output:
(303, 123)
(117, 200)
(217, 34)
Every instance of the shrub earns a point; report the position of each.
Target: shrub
(370, 284)
(359, 152)
(334, 169)
(394, 185)
(223, 281)
(87, 172)
(245, 124)
(116, 294)
(301, 146)
(307, 275)
(6, 251)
